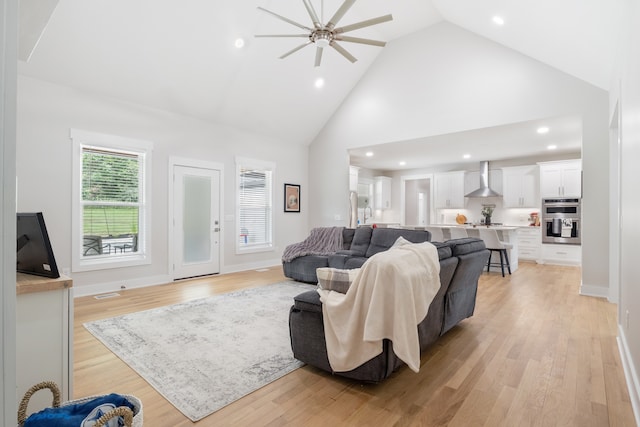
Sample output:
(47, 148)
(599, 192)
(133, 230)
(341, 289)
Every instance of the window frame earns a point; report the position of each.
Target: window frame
(116, 144)
(260, 165)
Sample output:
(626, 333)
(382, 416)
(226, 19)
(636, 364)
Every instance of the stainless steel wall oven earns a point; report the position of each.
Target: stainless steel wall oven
(561, 221)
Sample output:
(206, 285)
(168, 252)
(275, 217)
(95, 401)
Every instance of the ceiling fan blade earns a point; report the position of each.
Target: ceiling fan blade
(318, 56)
(340, 13)
(361, 41)
(281, 35)
(312, 14)
(362, 24)
(343, 51)
(296, 49)
(285, 19)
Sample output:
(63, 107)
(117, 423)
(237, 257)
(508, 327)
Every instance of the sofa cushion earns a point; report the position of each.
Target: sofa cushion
(355, 262)
(444, 250)
(465, 245)
(383, 238)
(347, 237)
(360, 242)
(336, 279)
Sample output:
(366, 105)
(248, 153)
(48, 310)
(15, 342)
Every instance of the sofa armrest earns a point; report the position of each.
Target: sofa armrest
(308, 301)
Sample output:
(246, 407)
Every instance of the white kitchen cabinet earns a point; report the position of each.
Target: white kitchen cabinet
(561, 179)
(529, 243)
(44, 336)
(561, 254)
(383, 192)
(449, 190)
(520, 187)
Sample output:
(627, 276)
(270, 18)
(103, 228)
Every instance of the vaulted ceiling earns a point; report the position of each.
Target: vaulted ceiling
(181, 56)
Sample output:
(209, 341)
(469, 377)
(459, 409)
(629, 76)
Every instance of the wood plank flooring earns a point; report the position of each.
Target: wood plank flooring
(535, 353)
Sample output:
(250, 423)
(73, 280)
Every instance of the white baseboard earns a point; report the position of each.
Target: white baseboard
(142, 282)
(251, 266)
(101, 288)
(594, 291)
(630, 373)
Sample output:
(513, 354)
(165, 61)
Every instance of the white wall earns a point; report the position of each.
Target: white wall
(444, 79)
(8, 70)
(626, 90)
(46, 112)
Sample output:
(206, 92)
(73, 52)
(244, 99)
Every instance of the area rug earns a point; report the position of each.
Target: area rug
(204, 354)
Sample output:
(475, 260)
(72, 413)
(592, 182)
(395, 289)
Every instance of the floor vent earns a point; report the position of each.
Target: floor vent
(262, 270)
(111, 295)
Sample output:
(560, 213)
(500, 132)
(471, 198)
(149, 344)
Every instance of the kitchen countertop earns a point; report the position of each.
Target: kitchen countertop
(495, 227)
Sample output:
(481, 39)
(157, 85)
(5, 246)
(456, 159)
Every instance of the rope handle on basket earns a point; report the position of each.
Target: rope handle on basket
(122, 411)
(22, 409)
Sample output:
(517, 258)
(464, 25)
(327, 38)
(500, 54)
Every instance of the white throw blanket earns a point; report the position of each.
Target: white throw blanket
(387, 299)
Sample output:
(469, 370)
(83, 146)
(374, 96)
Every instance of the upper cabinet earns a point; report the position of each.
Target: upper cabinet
(449, 190)
(520, 187)
(383, 192)
(561, 179)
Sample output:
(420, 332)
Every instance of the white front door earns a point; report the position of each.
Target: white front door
(196, 227)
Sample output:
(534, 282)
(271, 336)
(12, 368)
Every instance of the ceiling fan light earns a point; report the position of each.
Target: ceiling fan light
(322, 38)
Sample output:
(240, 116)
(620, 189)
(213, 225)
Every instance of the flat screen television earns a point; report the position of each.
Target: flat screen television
(34, 255)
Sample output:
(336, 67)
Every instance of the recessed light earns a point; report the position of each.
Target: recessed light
(543, 130)
(402, 163)
(466, 156)
(498, 20)
(239, 43)
(319, 82)
(551, 147)
(369, 153)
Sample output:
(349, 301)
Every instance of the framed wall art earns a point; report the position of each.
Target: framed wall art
(291, 198)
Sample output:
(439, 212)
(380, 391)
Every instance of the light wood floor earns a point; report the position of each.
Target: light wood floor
(534, 353)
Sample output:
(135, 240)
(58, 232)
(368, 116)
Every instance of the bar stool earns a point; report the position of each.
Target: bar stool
(458, 232)
(494, 244)
(436, 234)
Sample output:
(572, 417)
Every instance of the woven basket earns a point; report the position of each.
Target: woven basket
(131, 418)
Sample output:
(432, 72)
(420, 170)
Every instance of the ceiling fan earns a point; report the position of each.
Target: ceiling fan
(323, 35)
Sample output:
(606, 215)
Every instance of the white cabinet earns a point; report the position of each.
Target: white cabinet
(44, 336)
(529, 243)
(449, 190)
(520, 187)
(561, 254)
(561, 179)
(383, 192)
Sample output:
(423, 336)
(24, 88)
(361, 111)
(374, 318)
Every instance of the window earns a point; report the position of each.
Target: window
(111, 188)
(255, 207)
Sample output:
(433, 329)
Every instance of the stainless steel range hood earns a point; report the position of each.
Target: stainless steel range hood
(484, 190)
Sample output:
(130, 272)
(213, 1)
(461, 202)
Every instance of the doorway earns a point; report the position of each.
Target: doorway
(195, 223)
(417, 207)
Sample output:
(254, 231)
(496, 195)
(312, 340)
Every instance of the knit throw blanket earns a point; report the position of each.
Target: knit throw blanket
(387, 299)
(321, 241)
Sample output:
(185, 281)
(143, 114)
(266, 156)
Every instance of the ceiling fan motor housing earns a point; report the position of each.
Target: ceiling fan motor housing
(322, 38)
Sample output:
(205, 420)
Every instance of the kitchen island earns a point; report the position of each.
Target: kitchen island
(506, 234)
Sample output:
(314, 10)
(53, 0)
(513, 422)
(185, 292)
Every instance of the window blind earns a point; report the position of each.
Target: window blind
(255, 210)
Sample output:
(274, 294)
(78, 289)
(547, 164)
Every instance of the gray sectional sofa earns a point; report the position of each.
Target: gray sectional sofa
(461, 263)
(359, 244)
